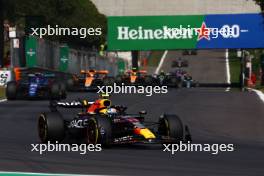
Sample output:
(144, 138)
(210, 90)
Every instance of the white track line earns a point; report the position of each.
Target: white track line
(228, 77)
(259, 93)
(45, 174)
(161, 62)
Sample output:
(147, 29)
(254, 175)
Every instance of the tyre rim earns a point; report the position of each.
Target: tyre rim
(42, 128)
(92, 133)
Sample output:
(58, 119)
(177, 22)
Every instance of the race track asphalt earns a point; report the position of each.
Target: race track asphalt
(214, 116)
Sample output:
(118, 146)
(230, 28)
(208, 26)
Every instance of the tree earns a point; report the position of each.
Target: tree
(64, 13)
(261, 4)
(1, 34)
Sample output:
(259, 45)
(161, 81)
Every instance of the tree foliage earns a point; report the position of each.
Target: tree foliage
(65, 13)
(261, 4)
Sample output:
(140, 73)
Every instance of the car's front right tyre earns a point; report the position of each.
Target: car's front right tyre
(11, 90)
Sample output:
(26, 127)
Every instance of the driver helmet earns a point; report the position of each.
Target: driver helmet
(111, 111)
(108, 111)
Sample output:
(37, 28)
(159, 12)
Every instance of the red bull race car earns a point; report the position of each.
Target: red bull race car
(89, 80)
(100, 122)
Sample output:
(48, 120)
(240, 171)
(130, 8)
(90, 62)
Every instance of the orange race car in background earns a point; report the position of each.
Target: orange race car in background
(135, 77)
(89, 80)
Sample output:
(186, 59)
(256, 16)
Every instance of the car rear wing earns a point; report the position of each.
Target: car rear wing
(73, 104)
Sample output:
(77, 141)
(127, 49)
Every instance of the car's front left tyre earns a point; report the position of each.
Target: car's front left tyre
(99, 131)
(11, 90)
(51, 127)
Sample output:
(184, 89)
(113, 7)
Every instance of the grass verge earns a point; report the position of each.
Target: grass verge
(2, 92)
(234, 64)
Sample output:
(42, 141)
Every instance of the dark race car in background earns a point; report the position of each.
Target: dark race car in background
(168, 79)
(189, 52)
(88, 80)
(178, 78)
(35, 85)
(108, 125)
(186, 79)
(180, 63)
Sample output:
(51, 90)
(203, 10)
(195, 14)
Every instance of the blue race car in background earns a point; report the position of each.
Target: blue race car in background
(35, 85)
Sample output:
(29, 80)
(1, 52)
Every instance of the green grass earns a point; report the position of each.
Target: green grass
(234, 64)
(154, 58)
(2, 92)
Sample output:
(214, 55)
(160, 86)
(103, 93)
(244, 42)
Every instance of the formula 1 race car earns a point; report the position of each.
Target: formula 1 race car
(180, 63)
(35, 85)
(135, 77)
(189, 52)
(188, 81)
(102, 123)
(185, 78)
(168, 79)
(89, 80)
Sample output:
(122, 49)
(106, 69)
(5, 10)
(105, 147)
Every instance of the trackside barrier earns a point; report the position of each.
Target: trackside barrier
(50, 55)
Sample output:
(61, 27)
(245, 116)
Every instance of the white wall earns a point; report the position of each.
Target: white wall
(174, 7)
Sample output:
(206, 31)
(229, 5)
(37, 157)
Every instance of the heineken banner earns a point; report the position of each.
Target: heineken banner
(31, 46)
(64, 58)
(186, 32)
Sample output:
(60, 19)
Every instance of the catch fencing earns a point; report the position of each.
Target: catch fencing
(47, 54)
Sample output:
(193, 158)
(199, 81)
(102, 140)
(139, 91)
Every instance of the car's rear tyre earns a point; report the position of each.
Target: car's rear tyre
(172, 127)
(51, 127)
(99, 131)
(11, 90)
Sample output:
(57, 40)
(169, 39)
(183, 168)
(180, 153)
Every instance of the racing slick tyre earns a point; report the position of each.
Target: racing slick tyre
(99, 131)
(172, 127)
(11, 90)
(51, 127)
